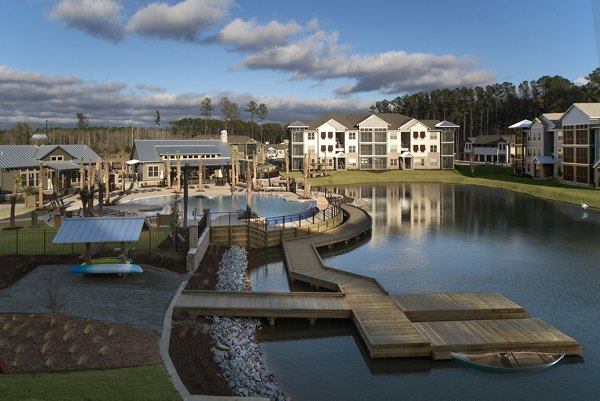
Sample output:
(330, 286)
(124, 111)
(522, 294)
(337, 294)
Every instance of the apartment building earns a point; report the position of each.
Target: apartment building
(384, 141)
(563, 146)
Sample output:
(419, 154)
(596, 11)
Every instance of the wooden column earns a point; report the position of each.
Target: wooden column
(106, 181)
(200, 175)
(287, 172)
(81, 175)
(168, 172)
(248, 190)
(178, 172)
(306, 183)
(254, 183)
(41, 188)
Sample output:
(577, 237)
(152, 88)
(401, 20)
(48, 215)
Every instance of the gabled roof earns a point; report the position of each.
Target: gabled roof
(21, 156)
(489, 139)
(350, 121)
(521, 124)
(591, 109)
(543, 160)
(431, 124)
(395, 120)
(297, 124)
(446, 124)
(152, 150)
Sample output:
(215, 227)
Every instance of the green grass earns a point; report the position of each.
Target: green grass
(489, 176)
(136, 383)
(30, 241)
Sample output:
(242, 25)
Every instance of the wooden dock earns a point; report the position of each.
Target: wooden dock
(265, 304)
(458, 306)
(391, 326)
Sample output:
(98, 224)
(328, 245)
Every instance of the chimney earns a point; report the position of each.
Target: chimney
(224, 136)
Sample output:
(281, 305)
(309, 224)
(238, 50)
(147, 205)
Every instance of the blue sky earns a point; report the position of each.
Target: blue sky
(118, 61)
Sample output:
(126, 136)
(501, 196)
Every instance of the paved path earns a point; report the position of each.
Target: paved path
(138, 300)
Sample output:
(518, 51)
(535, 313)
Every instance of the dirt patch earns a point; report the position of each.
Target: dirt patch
(46, 342)
(15, 267)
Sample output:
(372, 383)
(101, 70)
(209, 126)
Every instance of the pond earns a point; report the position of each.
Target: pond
(263, 205)
(431, 238)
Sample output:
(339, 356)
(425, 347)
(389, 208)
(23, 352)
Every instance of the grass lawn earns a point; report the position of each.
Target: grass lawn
(490, 176)
(136, 383)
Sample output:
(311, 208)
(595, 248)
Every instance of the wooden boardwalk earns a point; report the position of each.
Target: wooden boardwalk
(384, 327)
(391, 326)
(265, 304)
(442, 322)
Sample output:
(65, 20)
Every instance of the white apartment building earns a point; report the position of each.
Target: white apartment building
(385, 141)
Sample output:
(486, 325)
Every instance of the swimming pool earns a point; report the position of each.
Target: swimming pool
(269, 206)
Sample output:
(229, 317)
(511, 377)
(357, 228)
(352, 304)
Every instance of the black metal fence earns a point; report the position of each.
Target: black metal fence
(39, 242)
(306, 217)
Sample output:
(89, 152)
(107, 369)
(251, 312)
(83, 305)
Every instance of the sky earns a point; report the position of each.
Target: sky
(118, 61)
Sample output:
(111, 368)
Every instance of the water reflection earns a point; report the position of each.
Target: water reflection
(444, 238)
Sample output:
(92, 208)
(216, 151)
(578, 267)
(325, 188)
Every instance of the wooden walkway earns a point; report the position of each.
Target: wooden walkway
(391, 326)
(384, 327)
(265, 304)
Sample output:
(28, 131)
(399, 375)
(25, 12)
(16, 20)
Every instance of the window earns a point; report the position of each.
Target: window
(366, 149)
(381, 150)
(330, 148)
(323, 147)
(415, 148)
(352, 136)
(352, 149)
(422, 134)
(311, 136)
(297, 136)
(323, 135)
(433, 148)
(393, 136)
(393, 149)
(152, 171)
(415, 134)
(433, 135)
(423, 148)
(330, 135)
(56, 158)
(393, 162)
(366, 136)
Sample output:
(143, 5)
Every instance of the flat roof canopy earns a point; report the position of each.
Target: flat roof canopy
(99, 229)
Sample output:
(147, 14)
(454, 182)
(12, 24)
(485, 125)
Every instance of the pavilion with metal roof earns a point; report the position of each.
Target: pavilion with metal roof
(90, 230)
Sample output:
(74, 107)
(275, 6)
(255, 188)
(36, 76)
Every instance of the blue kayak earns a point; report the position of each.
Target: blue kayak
(107, 268)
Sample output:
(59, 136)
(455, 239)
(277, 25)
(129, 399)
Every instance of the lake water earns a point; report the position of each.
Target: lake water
(263, 205)
(428, 238)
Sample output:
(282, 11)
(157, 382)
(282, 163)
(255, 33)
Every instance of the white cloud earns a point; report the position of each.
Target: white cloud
(580, 81)
(32, 98)
(248, 35)
(182, 21)
(96, 17)
(319, 56)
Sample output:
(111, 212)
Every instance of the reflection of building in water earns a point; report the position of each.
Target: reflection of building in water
(416, 204)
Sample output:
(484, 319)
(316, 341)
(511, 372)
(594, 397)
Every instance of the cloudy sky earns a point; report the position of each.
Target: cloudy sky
(118, 61)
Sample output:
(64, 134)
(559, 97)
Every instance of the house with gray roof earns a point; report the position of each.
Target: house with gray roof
(157, 158)
(365, 141)
(62, 162)
(490, 149)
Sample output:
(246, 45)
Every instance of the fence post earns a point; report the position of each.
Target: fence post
(44, 242)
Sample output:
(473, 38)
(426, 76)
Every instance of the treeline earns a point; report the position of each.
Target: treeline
(113, 140)
(490, 110)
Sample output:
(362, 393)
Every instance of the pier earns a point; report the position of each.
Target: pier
(391, 326)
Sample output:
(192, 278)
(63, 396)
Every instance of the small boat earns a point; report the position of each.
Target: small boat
(508, 362)
(107, 268)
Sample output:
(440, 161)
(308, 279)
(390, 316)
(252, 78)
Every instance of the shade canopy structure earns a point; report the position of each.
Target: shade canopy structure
(132, 162)
(99, 229)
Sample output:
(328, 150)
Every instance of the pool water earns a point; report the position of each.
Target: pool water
(263, 205)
